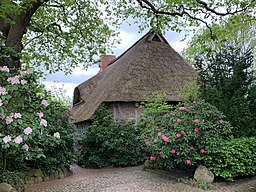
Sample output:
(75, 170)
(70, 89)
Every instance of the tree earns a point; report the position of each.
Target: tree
(56, 34)
(61, 34)
(239, 29)
(227, 82)
(178, 14)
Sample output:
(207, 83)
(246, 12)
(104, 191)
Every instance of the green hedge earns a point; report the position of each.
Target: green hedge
(235, 158)
(109, 143)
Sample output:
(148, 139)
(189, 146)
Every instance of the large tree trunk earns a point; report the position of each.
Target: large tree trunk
(13, 33)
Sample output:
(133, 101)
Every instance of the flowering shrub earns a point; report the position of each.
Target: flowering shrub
(35, 128)
(109, 143)
(233, 159)
(183, 136)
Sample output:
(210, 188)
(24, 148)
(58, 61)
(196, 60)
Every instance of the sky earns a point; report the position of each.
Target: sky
(128, 35)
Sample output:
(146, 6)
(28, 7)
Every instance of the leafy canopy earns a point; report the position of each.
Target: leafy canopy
(59, 35)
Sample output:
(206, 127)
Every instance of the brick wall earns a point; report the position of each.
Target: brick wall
(122, 110)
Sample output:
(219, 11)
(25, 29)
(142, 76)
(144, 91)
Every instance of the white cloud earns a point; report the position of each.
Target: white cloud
(179, 46)
(59, 88)
(90, 71)
(127, 39)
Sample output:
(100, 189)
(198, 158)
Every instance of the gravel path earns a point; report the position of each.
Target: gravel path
(132, 179)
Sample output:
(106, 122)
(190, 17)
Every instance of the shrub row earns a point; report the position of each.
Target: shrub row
(233, 159)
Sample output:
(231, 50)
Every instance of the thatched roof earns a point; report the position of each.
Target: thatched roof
(150, 65)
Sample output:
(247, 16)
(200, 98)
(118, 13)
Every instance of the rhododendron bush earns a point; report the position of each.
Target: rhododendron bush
(34, 127)
(181, 137)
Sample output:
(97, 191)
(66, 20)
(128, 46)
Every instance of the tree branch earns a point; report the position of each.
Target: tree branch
(33, 39)
(181, 11)
(229, 12)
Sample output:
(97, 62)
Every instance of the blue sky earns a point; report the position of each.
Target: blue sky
(128, 35)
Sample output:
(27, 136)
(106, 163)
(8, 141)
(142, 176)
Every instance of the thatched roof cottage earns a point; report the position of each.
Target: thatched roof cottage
(150, 65)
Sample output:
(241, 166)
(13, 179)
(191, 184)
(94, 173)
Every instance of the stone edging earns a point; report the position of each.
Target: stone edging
(37, 175)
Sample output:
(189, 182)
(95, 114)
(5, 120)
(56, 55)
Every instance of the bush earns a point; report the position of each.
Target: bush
(13, 179)
(234, 158)
(35, 127)
(109, 143)
(180, 138)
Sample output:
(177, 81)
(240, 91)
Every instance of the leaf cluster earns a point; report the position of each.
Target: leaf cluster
(108, 143)
(234, 159)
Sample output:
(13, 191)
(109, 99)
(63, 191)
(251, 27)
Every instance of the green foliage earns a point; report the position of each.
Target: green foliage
(13, 179)
(177, 15)
(233, 159)
(189, 91)
(180, 138)
(227, 82)
(61, 34)
(203, 184)
(155, 105)
(109, 143)
(35, 130)
(238, 29)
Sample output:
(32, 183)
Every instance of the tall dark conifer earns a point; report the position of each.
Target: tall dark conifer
(226, 81)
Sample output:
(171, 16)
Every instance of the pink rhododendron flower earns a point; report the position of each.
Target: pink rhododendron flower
(27, 72)
(18, 139)
(5, 68)
(28, 131)
(221, 120)
(3, 91)
(188, 162)
(182, 132)
(158, 129)
(17, 115)
(25, 147)
(165, 139)
(7, 139)
(155, 141)
(159, 134)
(23, 82)
(162, 156)
(44, 102)
(196, 121)
(56, 134)
(59, 120)
(43, 122)
(173, 151)
(145, 140)
(40, 114)
(178, 135)
(191, 147)
(152, 158)
(8, 119)
(182, 108)
(14, 80)
(178, 121)
(1, 103)
(202, 151)
(196, 129)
